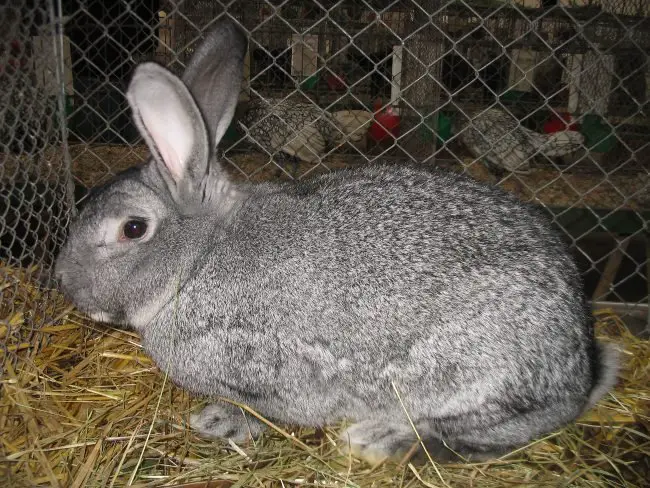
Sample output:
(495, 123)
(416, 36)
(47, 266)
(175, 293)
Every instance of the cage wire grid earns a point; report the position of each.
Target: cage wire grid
(330, 84)
(35, 204)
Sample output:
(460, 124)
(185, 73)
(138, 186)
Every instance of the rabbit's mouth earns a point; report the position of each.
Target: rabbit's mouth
(81, 297)
(103, 317)
(95, 314)
(117, 321)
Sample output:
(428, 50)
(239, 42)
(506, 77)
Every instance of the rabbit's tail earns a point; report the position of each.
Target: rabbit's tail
(558, 143)
(605, 374)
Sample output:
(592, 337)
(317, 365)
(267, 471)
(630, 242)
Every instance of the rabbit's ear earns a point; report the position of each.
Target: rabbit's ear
(170, 122)
(214, 75)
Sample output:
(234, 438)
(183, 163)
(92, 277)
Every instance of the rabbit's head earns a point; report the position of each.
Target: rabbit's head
(137, 235)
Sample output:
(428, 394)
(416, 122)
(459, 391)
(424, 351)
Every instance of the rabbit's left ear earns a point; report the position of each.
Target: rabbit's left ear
(170, 122)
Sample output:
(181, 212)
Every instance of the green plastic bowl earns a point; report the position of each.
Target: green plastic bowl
(310, 82)
(443, 131)
(599, 137)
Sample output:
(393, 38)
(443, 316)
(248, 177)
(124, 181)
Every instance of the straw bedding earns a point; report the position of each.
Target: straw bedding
(82, 405)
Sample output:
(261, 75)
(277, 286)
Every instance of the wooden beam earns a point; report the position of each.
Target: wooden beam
(612, 266)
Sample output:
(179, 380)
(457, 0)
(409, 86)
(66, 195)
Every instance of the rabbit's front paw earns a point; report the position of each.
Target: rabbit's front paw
(374, 441)
(225, 421)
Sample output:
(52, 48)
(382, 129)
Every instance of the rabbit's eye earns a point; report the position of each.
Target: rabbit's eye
(134, 229)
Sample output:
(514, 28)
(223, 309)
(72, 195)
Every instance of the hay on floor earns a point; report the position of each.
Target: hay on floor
(83, 405)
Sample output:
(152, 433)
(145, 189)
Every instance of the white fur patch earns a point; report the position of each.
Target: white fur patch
(102, 317)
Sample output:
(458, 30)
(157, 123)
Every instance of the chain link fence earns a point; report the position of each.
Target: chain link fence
(35, 201)
(548, 99)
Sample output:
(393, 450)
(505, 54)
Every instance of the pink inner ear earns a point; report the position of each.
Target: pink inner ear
(167, 116)
(169, 156)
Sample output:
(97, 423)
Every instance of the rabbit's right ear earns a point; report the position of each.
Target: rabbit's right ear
(214, 75)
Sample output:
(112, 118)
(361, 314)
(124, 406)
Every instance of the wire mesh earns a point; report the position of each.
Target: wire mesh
(548, 99)
(34, 203)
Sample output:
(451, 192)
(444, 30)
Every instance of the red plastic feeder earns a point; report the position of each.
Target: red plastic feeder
(560, 122)
(386, 124)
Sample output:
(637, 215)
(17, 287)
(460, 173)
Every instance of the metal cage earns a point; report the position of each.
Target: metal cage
(420, 70)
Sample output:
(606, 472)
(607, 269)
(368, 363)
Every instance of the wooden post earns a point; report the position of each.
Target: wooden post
(44, 65)
(575, 69)
(522, 69)
(611, 269)
(420, 78)
(304, 55)
(396, 75)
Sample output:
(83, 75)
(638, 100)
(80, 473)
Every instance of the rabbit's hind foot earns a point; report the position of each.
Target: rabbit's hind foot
(380, 440)
(224, 421)
(377, 440)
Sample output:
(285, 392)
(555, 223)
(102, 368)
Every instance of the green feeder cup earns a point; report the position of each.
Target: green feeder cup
(443, 130)
(599, 136)
(309, 83)
(513, 95)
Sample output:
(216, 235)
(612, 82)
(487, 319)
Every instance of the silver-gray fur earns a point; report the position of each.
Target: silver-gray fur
(313, 302)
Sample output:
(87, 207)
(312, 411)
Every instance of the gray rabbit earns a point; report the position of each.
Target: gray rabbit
(359, 295)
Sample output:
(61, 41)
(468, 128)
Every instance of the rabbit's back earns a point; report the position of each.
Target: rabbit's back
(416, 238)
(405, 220)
